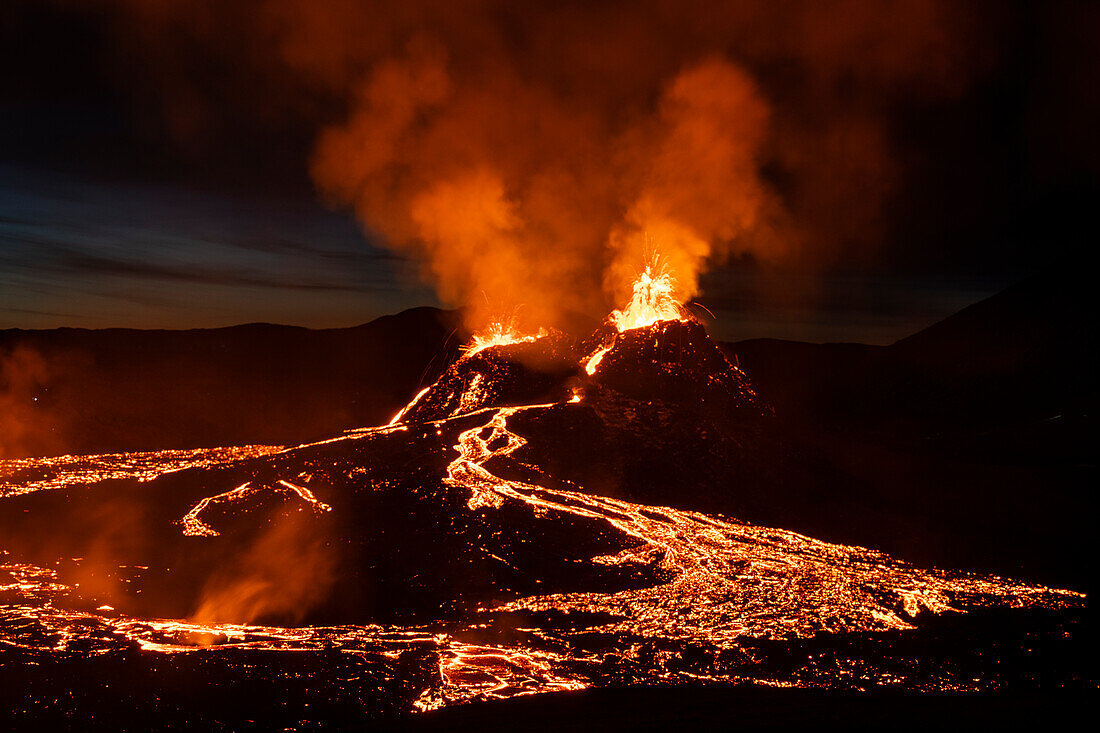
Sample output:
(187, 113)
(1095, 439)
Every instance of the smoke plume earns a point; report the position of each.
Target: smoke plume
(535, 153)
(283, 574)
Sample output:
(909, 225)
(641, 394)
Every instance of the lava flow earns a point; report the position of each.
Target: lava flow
(728, 579)
(471, 558)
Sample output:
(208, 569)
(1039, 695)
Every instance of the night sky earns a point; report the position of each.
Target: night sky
(119, 210)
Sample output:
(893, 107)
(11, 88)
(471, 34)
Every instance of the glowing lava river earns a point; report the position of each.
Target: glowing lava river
(461, 555)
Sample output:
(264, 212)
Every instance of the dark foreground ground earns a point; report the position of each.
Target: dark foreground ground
(690, 709)
(1043, 661)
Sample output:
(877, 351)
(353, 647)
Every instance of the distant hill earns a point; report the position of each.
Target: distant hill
(1016, 368)
(980, 431)
(84, 391)
(1024, 360)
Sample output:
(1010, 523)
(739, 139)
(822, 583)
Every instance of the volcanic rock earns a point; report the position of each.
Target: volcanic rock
(675, 361)
(532, 372)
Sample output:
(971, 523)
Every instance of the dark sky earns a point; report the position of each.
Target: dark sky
(119, 209)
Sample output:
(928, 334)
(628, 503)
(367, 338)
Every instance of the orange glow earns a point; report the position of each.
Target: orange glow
(500, 333)
(725, 583)
(509, 193)
(59, 472)
(534, 155)
(548, 150)
(194, 526)
(653, 299)
(720, 568)
(401, 413)
(593, 361)
(719, 583)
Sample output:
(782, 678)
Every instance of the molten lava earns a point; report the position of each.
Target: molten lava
(401, 413)
(500, 333)
(564, 586)
(653, 300)
(592, 363)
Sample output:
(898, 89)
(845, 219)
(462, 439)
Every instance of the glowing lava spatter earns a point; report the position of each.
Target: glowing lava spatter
(653, 299)
(500, 333)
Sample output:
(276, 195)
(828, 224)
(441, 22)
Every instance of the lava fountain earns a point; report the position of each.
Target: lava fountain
(500, 333)
(653, 299)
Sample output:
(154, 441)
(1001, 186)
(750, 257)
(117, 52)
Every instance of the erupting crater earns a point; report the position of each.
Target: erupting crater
(551, 514)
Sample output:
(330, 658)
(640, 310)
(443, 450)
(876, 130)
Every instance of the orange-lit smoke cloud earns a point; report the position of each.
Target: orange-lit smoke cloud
(530, 152)
(696, 170)
(282, 575)
(22, 371)
(514, 195)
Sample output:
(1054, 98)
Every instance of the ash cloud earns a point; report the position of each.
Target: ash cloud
(530, 153)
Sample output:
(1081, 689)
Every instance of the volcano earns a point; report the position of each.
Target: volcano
(550, 515)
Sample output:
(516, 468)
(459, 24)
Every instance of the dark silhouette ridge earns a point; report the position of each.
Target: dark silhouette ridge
(123, 390)
(1010, 378)
(979, 432)
(1017, 364)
